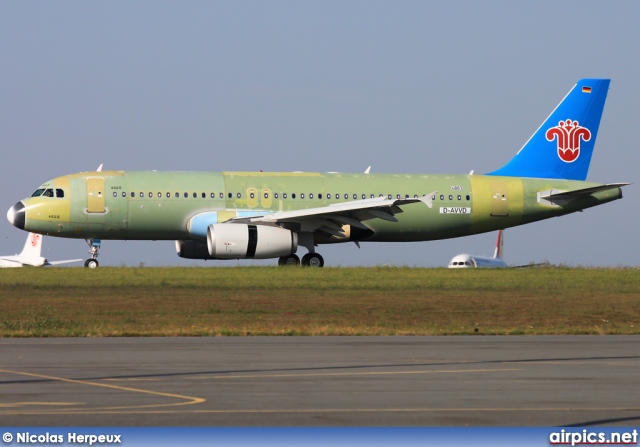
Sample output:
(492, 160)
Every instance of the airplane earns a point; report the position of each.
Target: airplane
(262, 215)
(473, 261)
(31, 255)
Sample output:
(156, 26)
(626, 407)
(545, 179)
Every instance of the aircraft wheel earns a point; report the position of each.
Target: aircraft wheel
(91, 263)
(312, 260)
(289, 260)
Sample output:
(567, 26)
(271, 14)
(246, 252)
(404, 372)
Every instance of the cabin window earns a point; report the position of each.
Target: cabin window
(441, 197)
(186, 195)
(266, 195)
(150, 195)
(355, 196)
(398, 196)
(319, 195)
(311, 196)
(415, 196)
(142, 195)
(115, 194)
(177, 195)
(159, 195)
(252, 195)
(275, 195)
(124, 194)
(230, 195)
(450, 197)
(468, 197)
(293, 196)
(133, 194)
(459, 197)
(238, 195)
(302, 195)
(284, 195)
(346, 197)
(328, 195)
(389, 197)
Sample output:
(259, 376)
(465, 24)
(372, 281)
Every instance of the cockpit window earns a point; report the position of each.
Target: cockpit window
(38, 193)
(59, 192)
(48, 192)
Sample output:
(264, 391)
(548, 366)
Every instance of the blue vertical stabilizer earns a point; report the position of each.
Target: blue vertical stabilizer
(561, 148)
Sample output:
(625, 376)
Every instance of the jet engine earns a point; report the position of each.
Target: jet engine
(193, 250)
(241, 241)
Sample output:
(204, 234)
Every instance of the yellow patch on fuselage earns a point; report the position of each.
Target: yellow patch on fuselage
(498, 202)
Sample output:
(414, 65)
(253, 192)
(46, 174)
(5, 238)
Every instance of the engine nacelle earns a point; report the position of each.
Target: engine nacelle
(241, 241)
(193, 250)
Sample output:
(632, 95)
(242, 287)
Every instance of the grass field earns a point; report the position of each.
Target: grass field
(107, 302)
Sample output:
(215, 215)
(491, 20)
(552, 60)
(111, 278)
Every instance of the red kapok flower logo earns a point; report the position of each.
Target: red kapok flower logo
(569, 134)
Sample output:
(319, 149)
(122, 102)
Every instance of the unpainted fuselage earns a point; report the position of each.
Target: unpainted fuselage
(162, 205)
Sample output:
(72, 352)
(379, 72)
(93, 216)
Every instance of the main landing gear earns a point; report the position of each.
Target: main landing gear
(311, 259)
(92, 262)
(308, 260)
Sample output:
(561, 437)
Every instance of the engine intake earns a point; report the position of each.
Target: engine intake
(242, 241)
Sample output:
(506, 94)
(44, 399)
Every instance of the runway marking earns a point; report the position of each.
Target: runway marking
(372, 373)
(45, 404)
(190, 400)
(116, 379)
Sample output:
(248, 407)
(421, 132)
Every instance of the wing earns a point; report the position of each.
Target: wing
(330, 219)
(62, 262)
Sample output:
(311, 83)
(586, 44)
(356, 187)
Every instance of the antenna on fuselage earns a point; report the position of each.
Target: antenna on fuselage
(99, 167)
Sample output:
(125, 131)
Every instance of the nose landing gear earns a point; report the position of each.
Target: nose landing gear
(92, 262)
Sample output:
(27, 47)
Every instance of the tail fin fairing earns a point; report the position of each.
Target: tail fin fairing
(32, 246)
(499, 244)
(562, 146)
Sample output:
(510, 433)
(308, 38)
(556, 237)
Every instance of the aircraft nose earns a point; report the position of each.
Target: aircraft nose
(16, 215)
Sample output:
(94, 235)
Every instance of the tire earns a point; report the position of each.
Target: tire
(289, 260)
(312, 260)
(91, 263)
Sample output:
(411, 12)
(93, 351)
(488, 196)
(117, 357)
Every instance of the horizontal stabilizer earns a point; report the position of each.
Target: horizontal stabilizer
(552, 195)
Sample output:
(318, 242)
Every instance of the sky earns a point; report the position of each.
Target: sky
(402, 86)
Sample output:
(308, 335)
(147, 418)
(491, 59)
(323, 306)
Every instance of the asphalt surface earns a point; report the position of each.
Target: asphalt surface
(321, 381)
